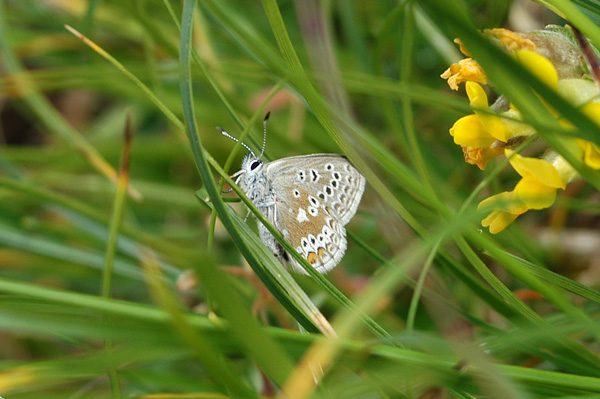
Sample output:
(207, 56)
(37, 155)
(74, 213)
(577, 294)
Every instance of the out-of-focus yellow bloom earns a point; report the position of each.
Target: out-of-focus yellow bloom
(591, 152)
(510, 40)
(539, 65)
(536, 190)
(468, 70)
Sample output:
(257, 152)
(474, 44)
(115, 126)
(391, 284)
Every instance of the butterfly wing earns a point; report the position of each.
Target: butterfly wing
(316, 195)
(330, 178)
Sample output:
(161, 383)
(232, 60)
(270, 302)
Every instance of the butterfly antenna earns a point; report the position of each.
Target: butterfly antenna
(262, 152)
(224, 133)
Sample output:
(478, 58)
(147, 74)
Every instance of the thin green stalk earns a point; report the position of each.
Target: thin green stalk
(414, 151)
(387, 105)
(434, 34)
(113, 236)
(208, 270)
(471, 281)
(117, 213)
(112, 373)
(88, 19)
(414, 301)
(174, 18)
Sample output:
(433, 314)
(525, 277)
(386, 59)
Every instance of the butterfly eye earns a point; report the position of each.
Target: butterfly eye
(255, 164)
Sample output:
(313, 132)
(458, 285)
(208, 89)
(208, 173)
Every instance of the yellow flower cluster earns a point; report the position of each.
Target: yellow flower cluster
(485, 134)
(536, 190)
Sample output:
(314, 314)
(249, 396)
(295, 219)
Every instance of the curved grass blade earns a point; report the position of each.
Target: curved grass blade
(237, 235)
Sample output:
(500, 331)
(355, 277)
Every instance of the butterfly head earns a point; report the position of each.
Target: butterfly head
(252, 167)
(252, 164)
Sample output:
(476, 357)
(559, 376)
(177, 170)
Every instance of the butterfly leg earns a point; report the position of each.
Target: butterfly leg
(261, 207)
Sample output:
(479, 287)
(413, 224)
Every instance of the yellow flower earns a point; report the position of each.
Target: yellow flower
(468, 131)
(575, 90)
(540, 169)
(477, 132)
(491, 122)
(505, 209)
(466, 70)
(480, 156)
(510, 40)
(485, 134)
(591, 152)
(538, 65)
(536, 190)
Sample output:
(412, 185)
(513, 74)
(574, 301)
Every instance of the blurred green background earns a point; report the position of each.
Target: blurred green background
(507, 316)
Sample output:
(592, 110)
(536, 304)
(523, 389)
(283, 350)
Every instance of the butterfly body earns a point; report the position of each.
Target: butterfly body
(309, 199)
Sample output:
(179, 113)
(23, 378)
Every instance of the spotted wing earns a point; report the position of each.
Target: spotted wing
(316, 195)
(330, 178)
(321, 240)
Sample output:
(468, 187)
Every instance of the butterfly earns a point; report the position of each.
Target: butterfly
(308, 199)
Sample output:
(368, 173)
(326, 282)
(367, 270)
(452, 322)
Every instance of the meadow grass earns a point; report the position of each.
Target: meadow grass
(126, 272)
